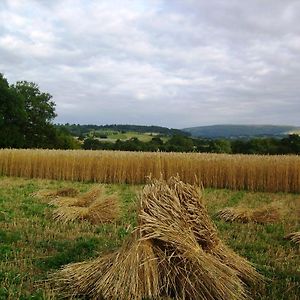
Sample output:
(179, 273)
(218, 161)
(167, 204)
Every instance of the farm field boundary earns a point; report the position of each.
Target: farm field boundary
(238, 172)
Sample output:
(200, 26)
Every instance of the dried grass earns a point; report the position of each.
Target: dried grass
(63, 192)
(206, 232)
(90, 196)
(176, 215)
(67, 192)
(263, 215)
(175, 252)
(102, 210)
(63, 201)
(82, 200)
(294, 237)
(230, 214)
(133, 273)
(266, 215)
(129, 273)
(67, 214)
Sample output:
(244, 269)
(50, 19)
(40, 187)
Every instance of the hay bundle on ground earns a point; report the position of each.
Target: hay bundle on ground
(261, 215)
(176, 215)
(230, 214)
(67, 214)
(63, 201)
(206, 232)
(90, 196)
(102, 210)
(63, 192)
(265, 215)
(294, 237)
(82, 200)
(174, 252)
(67, 192)
(132, 272)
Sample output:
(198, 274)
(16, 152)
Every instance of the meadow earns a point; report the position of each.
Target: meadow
(32, 246)
(126, 135)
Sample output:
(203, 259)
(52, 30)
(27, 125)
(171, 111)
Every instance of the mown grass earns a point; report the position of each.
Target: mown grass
(32, 245)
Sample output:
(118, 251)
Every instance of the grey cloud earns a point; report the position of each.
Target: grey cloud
(171, 63)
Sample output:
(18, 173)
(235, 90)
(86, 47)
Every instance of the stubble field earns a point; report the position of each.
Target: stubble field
(32, 245)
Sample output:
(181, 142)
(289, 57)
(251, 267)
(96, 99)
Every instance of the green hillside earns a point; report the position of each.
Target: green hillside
(240, 131)
(78, 129)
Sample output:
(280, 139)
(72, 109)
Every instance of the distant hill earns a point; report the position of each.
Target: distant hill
(78, 129)
(240, 131)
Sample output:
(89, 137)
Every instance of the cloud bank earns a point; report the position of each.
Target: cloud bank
(170, 63)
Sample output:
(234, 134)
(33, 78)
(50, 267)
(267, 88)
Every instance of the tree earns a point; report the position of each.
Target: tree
(155, 144)
(240, 146)
(40, 111)
(179, 143)
(220, 146)
(26, 116)
(290, 144)
(12, 116)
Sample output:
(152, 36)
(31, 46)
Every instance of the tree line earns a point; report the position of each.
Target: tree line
(179, 143)
(83, 130)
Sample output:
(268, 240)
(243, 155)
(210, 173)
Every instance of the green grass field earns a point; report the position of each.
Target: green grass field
(117, 135)
(32, 245)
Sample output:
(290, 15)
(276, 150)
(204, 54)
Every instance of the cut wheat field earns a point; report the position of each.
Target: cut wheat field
(33, 246)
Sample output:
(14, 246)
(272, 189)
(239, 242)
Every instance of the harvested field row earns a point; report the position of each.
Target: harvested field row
(238, 172)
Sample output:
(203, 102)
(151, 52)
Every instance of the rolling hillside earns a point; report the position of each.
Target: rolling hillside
(240, 131)
(77, 129)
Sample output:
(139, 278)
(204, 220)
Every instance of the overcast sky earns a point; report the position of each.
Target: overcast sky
(170, 63)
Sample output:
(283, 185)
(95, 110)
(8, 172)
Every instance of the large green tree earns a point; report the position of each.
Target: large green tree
(12, 116)
(26, 116)
(40, 112)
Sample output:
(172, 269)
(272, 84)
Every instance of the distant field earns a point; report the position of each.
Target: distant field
(32, 245)
(118, 135)
(295, 132)
(238, 172)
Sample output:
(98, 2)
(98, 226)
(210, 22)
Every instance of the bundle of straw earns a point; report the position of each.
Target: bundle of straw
(63, 192)
(101, 210)
(230, 214)
(104, 210)
(294, 237)
(175, 214)
(206, 232)
(67, 214)
(132, 272)
(174, 252)
(67, 192)
(63, 201)
(265, 215)
(261, 215)
(82, 200)
(90, 196)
